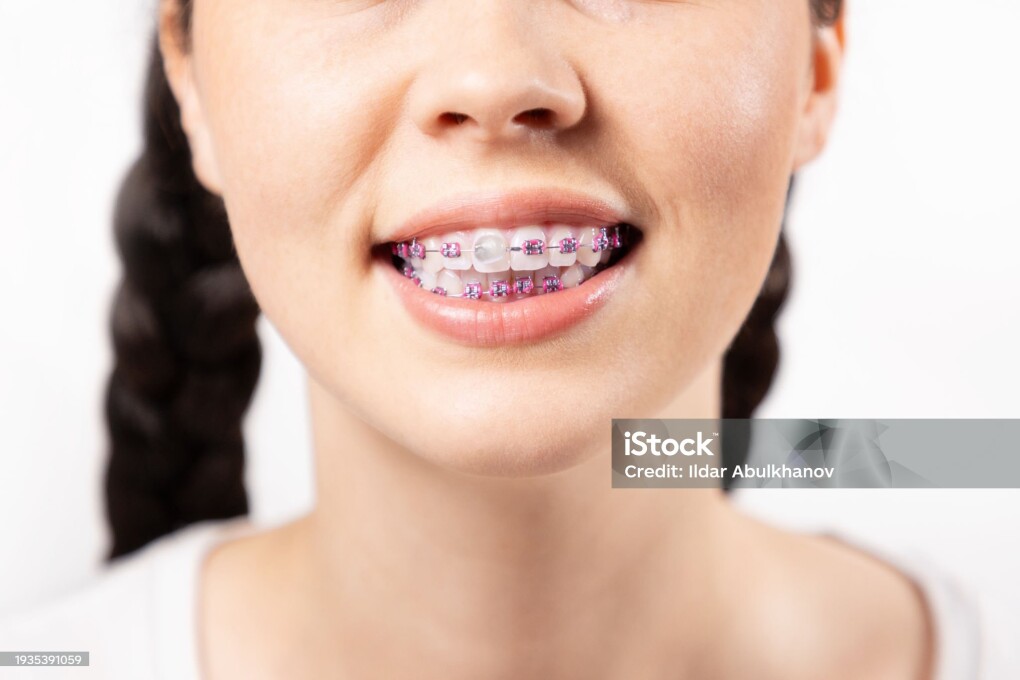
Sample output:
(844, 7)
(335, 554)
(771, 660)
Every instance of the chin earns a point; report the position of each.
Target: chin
(516, 447)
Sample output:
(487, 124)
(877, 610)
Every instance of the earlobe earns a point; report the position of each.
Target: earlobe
(203, 160)
(819, 107)
(177, 65)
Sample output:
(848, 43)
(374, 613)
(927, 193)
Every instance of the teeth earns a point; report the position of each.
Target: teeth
(417, 249)
(498, 265)
(500, 286)
(523, 284)
(490, 251)
(572, 276)
(474, 283)
(451, 282)
(462, 241)
(530, 250)
(561, 256)
(552, 284)
(433, 261)
(541, 275)
(585, 254)
(428, 279)
(473, 276)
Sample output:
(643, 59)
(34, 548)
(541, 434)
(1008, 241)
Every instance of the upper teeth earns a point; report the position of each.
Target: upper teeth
(523, 249)
(490, 251)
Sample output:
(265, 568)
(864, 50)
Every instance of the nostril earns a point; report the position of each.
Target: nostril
(537, 117)
(451, 118)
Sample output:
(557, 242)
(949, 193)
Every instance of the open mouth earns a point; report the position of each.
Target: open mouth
(500, 265)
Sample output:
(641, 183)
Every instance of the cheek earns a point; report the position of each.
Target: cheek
(292, 137)
(295, 143)
(715, 133)
(715, 137)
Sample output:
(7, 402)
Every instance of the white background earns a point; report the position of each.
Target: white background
(906, 239)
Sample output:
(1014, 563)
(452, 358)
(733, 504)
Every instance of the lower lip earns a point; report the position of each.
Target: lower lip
(490, 324)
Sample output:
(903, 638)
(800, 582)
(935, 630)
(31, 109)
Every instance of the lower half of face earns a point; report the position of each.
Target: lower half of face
(489, 288)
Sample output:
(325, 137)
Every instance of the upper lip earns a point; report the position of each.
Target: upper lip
(508, 210)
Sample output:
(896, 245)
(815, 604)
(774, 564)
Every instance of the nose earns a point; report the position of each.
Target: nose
(495, 77)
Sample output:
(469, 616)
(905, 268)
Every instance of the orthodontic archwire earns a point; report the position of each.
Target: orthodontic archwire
(503, 288)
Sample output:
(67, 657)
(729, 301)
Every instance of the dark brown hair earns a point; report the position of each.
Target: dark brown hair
(188, 356)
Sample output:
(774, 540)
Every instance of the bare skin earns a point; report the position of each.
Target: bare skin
(451, 541)
(446, 575)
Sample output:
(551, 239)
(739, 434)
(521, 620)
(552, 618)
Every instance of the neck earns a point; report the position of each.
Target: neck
(501, 565)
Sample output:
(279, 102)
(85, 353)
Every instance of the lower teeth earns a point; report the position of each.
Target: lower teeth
(510, 284)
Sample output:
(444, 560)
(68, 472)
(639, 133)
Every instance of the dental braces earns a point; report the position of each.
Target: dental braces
(497, 289)
(605, 240)
(608, 238)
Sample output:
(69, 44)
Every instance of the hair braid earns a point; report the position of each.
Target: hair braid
(186, 347)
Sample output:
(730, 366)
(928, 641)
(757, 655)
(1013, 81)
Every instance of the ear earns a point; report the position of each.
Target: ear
(821, 93)
(178, 66)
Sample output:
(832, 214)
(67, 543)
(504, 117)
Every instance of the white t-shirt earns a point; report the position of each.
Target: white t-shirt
(138, 620)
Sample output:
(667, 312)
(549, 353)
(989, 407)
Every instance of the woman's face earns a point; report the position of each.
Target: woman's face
(327, 125)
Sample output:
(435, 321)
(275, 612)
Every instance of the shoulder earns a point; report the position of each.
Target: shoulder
(822, 608)
(975, 621)
(136, 619)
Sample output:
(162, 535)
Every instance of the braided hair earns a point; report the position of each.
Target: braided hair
(187, 355)
(187, 352)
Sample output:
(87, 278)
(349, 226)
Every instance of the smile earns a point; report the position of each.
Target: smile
(498, 269)
(496, 264)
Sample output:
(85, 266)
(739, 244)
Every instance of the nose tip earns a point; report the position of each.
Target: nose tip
(498, 95)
